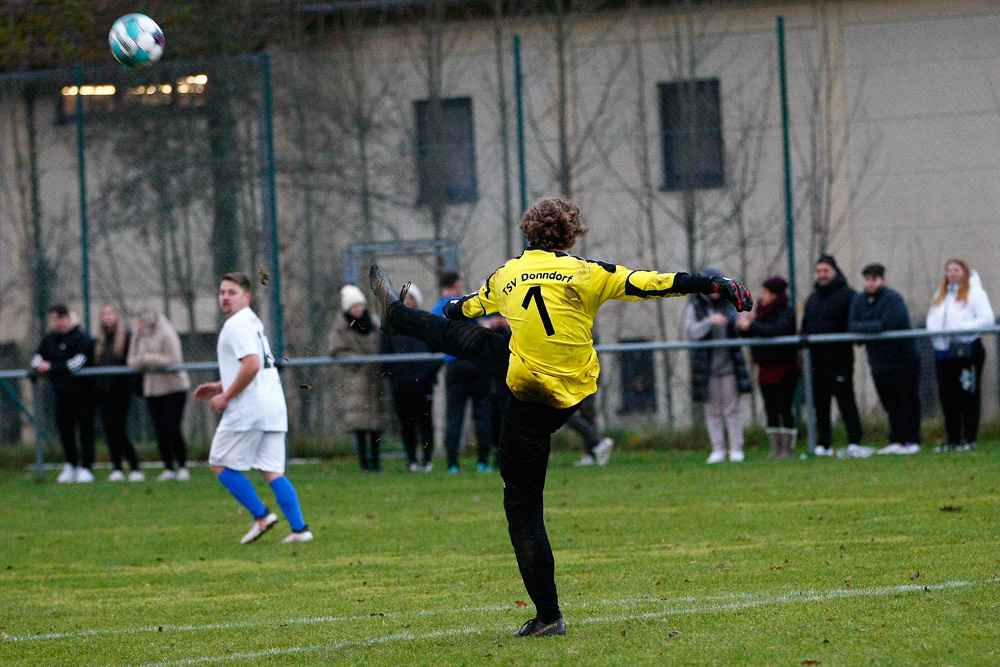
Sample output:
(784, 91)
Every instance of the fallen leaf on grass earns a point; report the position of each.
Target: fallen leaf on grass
(624, 633)
(811, 662)
(951, 508)
(927, 589)
(673, 634)
(572, 651)
(521, 604)
(589, 569)
(915, 574)
(775, 567)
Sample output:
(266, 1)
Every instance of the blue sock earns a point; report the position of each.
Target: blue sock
(241, 488)
(288, 499)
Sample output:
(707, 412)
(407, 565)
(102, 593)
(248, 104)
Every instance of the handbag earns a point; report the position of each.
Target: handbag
(959, 349)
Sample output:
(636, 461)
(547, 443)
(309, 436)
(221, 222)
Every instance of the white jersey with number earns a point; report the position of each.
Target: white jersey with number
(261, 406)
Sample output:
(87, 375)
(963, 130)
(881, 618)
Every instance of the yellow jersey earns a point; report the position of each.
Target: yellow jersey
(550, 299)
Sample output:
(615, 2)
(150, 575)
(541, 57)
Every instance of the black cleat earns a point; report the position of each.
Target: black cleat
(385, 295)
(535, 628)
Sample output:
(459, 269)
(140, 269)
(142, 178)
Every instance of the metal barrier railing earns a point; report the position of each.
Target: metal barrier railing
(804, 341)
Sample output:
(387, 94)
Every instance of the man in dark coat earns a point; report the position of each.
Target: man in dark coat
(412, 391)
(895, 363)
(827, 311)
(63, 351)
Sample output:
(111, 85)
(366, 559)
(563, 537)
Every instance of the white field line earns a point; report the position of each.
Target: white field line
(355, 617)
(795, 596)
(738, 601)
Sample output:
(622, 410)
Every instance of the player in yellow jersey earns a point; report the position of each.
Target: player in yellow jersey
(550, 298)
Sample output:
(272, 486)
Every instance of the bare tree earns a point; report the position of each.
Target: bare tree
(834, 179)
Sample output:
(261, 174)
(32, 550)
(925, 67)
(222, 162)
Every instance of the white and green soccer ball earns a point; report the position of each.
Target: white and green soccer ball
(136, 40)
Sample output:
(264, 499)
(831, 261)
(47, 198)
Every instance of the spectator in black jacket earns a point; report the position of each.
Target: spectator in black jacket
(895, 363)
(114, 393)
(827, 311)
(412, 391)
(777, 366)
(64, 350)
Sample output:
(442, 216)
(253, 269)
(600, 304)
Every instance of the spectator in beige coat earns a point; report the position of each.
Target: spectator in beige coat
(358, 386)
(157, 346)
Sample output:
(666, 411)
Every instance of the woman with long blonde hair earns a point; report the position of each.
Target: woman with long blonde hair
(960, 304)
(114, 393)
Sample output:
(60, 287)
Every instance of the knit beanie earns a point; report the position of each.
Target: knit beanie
(828, 259)
(776, 284)
(350, 295)
(414, 291)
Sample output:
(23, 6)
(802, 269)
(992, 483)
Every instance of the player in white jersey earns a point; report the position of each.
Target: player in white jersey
(254, 421)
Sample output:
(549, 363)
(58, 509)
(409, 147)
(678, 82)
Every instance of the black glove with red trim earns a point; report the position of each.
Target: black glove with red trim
(733, 292)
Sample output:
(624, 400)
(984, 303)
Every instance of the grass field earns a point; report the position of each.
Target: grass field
(659, 559)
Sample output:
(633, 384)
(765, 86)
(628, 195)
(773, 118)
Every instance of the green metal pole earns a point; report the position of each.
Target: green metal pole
(82, 176)
(272, 213)
(518, 93)
(787, 159)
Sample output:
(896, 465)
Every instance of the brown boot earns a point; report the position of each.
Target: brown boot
(789, 436)
(774, 436)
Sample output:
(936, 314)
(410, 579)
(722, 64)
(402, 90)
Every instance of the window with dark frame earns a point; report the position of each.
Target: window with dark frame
(691, 134)
(446, 155)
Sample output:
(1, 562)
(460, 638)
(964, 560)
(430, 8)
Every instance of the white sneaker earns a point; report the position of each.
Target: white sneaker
(585, 460)
(259, 527)
(860, 451)
(602, 452)
(116, 476)
(823, 451)
(84, 476)
(67, 475)
(716, 457)
(910, 448)
(304, 536)
(414, 467)
(183, 475)
(737, 457)
(892, 448)
(167, 475)
(428, 467)
(137, 476)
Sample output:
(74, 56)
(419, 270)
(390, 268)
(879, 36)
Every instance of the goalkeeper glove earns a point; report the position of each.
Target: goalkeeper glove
(733, 292)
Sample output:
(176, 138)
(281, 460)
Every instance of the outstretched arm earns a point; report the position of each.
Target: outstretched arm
(628, 285)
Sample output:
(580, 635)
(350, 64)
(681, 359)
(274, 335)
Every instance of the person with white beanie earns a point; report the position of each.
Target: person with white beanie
(960, 304)
(358, 397)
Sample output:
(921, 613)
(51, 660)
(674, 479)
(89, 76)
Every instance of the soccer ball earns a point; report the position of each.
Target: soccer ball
(136, 40)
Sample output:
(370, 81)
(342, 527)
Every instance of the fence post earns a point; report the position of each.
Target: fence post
(271, 213)
(36, 409)
(807, 389)
(81, 158)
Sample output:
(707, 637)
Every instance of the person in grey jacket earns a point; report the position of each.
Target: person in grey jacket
(718, 375)
(895, 364)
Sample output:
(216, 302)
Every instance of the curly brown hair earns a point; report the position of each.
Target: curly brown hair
(553, 224)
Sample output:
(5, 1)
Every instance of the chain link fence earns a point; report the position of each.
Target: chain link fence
(141, 187)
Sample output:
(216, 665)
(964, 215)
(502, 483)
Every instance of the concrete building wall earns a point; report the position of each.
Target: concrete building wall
(900, 97)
